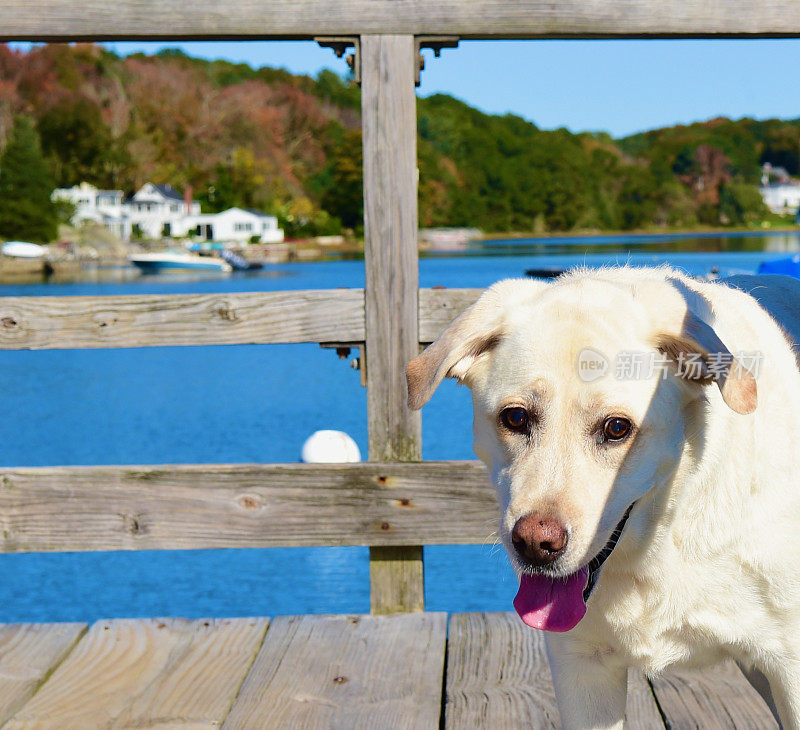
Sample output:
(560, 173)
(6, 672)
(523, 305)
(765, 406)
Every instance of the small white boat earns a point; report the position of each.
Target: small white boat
(23, 250)
(177, 261)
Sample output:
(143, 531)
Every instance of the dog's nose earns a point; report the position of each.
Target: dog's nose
(538, 539)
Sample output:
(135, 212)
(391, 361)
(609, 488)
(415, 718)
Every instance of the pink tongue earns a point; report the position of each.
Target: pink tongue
(552, 604)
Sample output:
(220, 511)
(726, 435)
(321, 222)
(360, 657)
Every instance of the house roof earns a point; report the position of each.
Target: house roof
(150, 191)
(169, 192)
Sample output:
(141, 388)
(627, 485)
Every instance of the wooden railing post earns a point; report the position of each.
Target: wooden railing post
(389, 122)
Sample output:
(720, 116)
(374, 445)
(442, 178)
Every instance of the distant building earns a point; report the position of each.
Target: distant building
(782, 197)
(104, 207)
(159, 211)
(771, 174)
(781, 194)
(237, 225)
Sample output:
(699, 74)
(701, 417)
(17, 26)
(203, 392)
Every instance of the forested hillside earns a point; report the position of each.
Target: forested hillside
(291, 145)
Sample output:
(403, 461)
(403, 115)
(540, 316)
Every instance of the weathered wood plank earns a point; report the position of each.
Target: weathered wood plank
(147, 674)
(226, 506)
(28, 654)
(388, 105)
(34, 323)
(181, 319)
(397, 579)
(712, 699)
(641, 710)
(64, 20)
(439, 307)
(370, 672)
(498, 677)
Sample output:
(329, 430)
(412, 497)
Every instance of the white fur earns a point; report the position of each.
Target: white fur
(708, 565)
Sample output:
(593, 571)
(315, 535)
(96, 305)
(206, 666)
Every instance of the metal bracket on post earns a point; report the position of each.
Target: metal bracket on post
(343, 352)
(339, 45)
(434, 42)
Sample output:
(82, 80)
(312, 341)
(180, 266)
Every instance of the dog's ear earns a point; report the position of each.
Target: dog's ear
(701, 356)
(477, 330)
(474, 332)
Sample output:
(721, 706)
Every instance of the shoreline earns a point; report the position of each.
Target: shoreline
(688, 232)
(100, 268)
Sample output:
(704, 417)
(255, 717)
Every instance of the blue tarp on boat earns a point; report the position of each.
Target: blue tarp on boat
(789, 266)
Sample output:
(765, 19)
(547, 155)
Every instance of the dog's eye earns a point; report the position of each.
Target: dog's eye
(515, 419)
(616, 429)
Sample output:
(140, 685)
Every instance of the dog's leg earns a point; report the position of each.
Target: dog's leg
(784, 683)
(761, 684)
(590, 690)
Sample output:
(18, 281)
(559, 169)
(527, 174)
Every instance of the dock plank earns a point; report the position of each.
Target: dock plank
(498, 677)
(641, 710)
(147, 674)
(347, 672)
(28, 654)
(719, 698)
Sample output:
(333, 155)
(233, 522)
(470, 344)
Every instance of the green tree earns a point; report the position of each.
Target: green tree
(26, 183)
(345, 198)
(80, 144)
(740, 203)
(241, 182)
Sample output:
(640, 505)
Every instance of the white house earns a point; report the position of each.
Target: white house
(99, 206)
(236, 224)
(782, 198)
(160, 210)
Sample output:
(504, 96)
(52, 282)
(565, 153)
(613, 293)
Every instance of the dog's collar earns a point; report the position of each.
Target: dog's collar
(596, 563)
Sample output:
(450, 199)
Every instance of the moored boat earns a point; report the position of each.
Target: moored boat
(239, 262)
(23, 250)
(175, 261)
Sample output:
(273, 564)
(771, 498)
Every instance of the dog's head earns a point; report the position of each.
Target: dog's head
(574, 414)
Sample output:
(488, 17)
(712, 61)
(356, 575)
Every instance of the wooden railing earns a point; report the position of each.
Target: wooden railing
(387, 506)
(244, 506)
(393, 504)
(337, 315)
(298, 19)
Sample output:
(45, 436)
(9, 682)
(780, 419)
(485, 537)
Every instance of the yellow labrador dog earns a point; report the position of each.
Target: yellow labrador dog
(642, 430)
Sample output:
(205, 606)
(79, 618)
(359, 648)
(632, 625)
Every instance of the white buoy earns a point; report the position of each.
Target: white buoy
(330, 447)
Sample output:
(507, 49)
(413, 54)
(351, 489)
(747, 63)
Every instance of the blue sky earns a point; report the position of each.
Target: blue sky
(617, 86)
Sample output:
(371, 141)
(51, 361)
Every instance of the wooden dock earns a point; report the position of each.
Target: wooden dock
(398, 667)
(405, 671)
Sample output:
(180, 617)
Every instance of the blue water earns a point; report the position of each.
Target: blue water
(258, 404)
